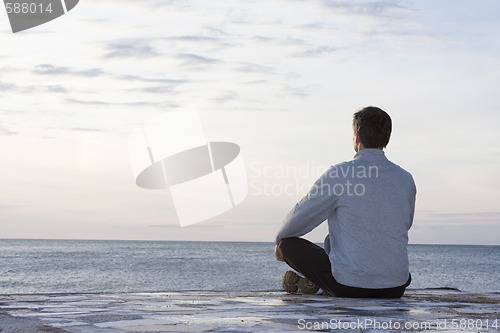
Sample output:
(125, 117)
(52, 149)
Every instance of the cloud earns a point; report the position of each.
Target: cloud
(200, 40)
(258, 82)
(195, 59)
(180, 4)
(7, 87)
(127, 104)
(280, 41)
(377, 8)
(93, 103)
(84, 129)
(316, 52)
(226, 97)
(466, 215)
(5, 207)
(5, 131)
(156, 89)
(137, 48)
(47, 69)
(219, 32)
(162, 85)
(150, 79)
(476, 219)
(192, 226)
(54, 89)
(314, 26)
(405, 35)
(193, 38)
(248, 67)
(294, 91)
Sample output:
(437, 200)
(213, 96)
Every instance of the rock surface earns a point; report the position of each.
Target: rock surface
(417, 311)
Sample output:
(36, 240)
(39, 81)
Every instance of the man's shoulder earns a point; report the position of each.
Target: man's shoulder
(342, 166)
(400, 169)
(342, 170)
(404, 174)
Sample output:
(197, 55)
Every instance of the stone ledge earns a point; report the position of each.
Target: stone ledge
(417, 311)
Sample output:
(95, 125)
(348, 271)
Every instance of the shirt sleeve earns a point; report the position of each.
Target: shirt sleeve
(412, 199)
(311, 211)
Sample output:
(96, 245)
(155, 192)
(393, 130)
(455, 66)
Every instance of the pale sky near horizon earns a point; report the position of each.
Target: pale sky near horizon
(281, 78)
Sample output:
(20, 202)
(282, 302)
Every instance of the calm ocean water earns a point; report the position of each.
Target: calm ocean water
(54, 266)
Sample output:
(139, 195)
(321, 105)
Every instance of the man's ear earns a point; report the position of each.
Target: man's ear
(356, 138)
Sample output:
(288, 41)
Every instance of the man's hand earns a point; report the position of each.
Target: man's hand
(278, 254)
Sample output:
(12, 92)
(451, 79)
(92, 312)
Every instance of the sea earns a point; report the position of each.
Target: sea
(96, 266)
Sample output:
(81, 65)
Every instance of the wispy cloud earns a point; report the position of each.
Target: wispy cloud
(160, 84)
(438, 219)
(156, 89)
(5, 207)
(7, 87)
(178, 4)
(280, 41)
(192, 226)
(195, 59)
(137, 48)
(219, 32)
(55, 89)
(294, 91)
(193, 38)
(248, 67)
(150, 79)
(47, 69)
(410, 35)
(260, 82)
(6, 131)
(84, 129)
(466, 215)
(378, 8)
(89, 102)
(125, 104)
(314, 26)
(201, 41)
(226, 96)
(316, 52)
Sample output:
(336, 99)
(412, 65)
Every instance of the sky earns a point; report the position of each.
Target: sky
(281, 78)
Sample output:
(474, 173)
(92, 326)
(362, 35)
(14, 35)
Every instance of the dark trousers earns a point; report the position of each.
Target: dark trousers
(313, 262)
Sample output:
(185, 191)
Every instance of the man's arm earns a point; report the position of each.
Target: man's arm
(278, 254)
(412, 199)
(311, 211)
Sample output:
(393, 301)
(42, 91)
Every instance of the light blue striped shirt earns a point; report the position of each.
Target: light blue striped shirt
(369, 203)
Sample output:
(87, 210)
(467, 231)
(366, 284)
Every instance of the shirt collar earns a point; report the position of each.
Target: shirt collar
(370, 153)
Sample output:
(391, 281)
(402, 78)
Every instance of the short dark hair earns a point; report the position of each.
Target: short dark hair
(374, 127)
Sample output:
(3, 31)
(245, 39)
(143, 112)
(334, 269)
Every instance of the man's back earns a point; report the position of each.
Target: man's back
(368, 227)
(369, 203)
